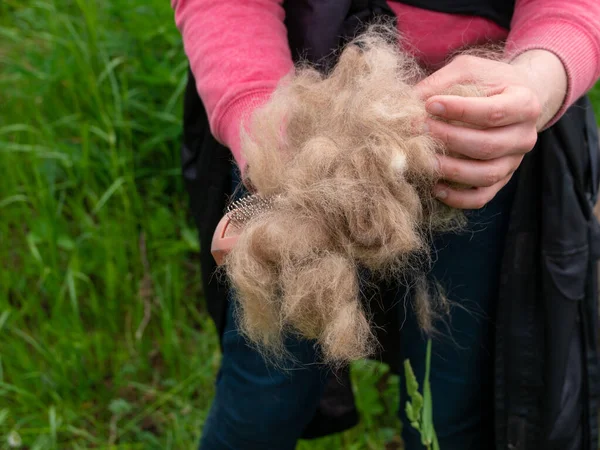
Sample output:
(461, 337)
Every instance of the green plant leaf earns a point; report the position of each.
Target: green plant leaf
(412, 385)
(427, 437)
(410, 412)
(436, 444)
(412, 388)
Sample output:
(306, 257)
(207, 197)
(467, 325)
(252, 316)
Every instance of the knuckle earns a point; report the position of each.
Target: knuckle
(447, 138)
(430, 81)
(535, 109)
(488, 150)
(491, 177)
(465, 61)
(530, 139)
(529, 107)
(461, 113)
(459, 59)
(496, 115)
(455, 173)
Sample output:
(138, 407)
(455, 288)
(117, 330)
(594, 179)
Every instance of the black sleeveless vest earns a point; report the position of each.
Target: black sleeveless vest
(547, 380)
(499, 11)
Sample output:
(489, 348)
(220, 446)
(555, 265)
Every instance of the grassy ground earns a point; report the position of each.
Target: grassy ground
(103, 338)
(103, 341)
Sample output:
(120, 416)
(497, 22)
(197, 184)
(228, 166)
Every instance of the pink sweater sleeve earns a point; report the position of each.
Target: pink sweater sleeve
(238, 51)
(568, 28)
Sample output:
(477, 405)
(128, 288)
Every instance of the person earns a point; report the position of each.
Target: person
(522, 371)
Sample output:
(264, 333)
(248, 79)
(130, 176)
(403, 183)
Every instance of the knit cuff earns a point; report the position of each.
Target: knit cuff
(228, 124)
(571, 43)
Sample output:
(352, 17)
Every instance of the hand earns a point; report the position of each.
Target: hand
(499, 129)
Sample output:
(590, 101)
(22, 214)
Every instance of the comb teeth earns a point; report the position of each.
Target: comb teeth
(244, 209)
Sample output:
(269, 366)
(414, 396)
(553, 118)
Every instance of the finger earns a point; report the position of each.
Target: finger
(484, 144)
(515, 104)
(472, 172)
(474, 198)
(440, 81)
(464, 69)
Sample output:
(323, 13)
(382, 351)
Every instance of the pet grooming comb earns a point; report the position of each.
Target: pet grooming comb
(237, 215)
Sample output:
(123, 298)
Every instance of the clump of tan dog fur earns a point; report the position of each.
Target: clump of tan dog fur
(351, 178)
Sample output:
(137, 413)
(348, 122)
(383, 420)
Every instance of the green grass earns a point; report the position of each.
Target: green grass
(103, 339)
(104, 342)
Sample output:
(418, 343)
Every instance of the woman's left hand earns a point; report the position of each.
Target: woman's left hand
(521, 97)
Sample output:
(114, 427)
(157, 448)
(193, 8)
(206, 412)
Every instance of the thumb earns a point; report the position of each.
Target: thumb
(443, 79)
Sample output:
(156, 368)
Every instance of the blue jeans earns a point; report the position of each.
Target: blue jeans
(259, 407)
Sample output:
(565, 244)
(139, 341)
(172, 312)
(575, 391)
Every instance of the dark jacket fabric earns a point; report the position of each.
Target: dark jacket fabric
(547, 376)
(546, 364)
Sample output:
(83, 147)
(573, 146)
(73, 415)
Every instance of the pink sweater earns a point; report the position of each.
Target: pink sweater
(238, 50)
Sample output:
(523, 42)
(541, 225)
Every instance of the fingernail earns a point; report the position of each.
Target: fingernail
(441, 193)
(425, 128)
(436, 108)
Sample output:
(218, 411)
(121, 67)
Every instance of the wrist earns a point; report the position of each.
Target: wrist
(544, 73)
